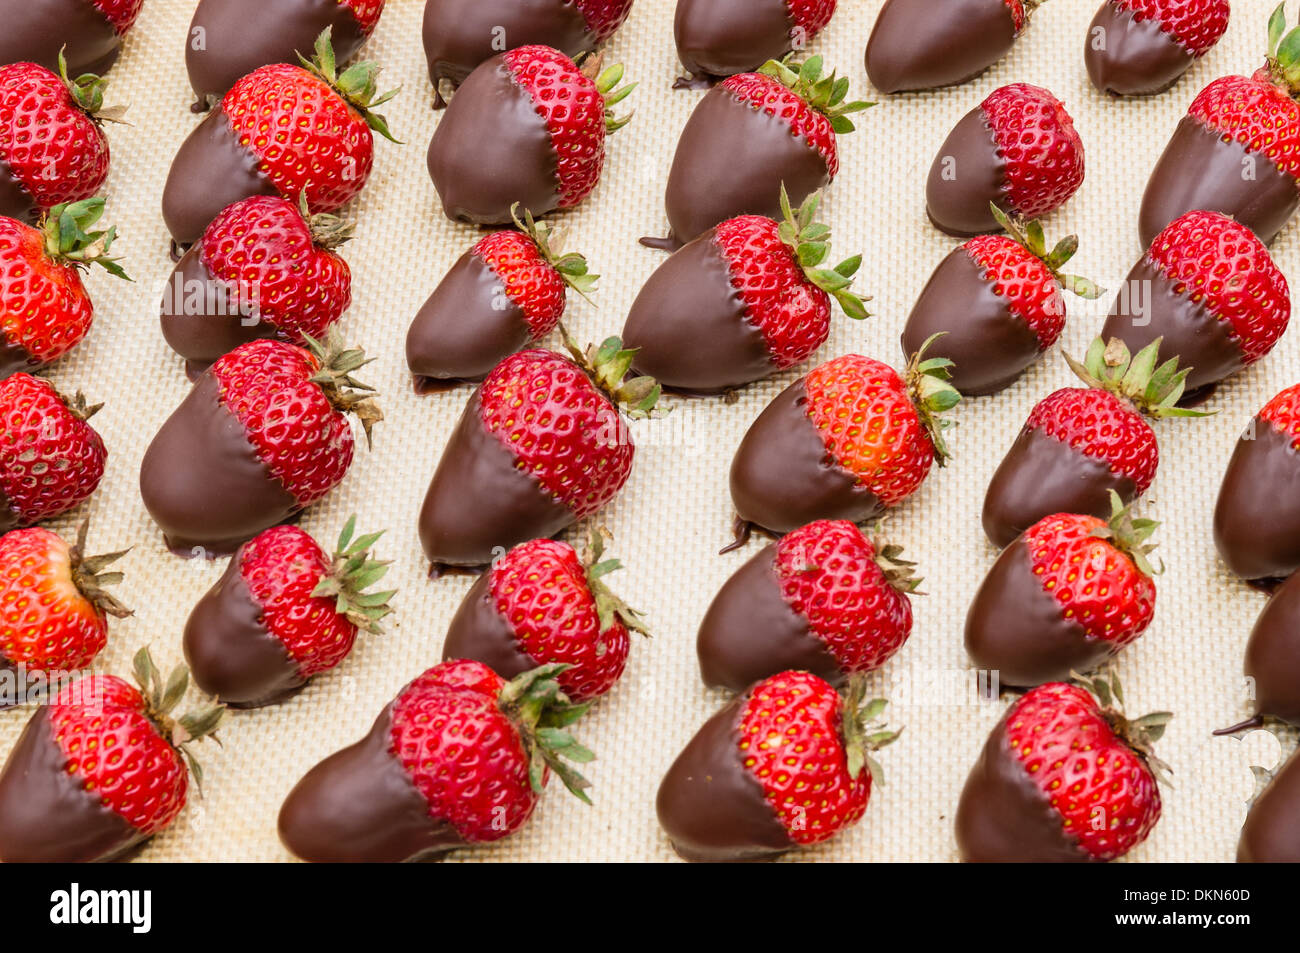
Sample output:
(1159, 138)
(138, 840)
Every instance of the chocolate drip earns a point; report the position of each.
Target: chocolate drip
(15, 201)
(1138, 57)
(479, 631)
(967, 174)
(1257, 516)
(35, 30)
(717, 38)
(915, 45)
(1271, 834)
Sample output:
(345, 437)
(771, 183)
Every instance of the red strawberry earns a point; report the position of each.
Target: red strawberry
(741, 302)
(1018, 149)
(281, 130)
(997, 303)
(505, 293)
(265, 268)
(748, 137)
(527, 127)
(1141, 47)
(458, 758)
(721, 39)
(263, 434)
(540, 445)
(88, 32)
(847, 441)
(823, 599)
(1063, 779)
(44, 310)
(786, 765)
(51, 459)
(282, 613)
(102, 769)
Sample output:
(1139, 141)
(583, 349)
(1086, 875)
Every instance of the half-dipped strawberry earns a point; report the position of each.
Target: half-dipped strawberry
(88, 32)
(1272, 665)
(1141, 47)
(718, 38)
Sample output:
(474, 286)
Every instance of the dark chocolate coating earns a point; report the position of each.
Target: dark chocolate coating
(492, 149)
(210, 171)
(717, 38)
(967, 174)
(1137, 57)
(1041, 475)
(1271, 834)
(15, 201)
(1257, 515)
(919, 44)
(710, 807)
(465, 327)
(14, 358)
(1003, 817)
(750, 632)
(1200, 170)
(1273, 654)
(35, 30)
(231, 655)
(479, 502)
(9, 518)
(360, 806)
(688, 324)
(479, 631)
(203, 482)
(783, 476)
(988, 345)
(46, 815)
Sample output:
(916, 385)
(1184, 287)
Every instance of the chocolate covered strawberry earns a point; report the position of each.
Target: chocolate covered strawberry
(458, 758)
(263, 434)
(527, 127)
(1270, 834)
(508, 291)
(1209, 290)
(996, 304)
(540, 445)
(281, 130)
(101, 770)
(1080, 443)
(283, 612)
(542, 604)
(228, 39)
(1064, 777)
(88, 33)
(785, 765)
(44, 308)
(915, 45)
(1018, 149)
(51, 458)
(824, 599)
(746, 299)
(750, 135)
(849, 440)
(718, 38)
(461, 34)
(1272, 664)
(1237, 151)
(264, 268)
(1141, 47)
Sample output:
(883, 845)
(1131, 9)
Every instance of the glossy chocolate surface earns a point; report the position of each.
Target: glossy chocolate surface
(1257, 516)
(14, 358)
(35, 30)
(717, 38)
(1273, 654)
(1271, 834)
(15, 201)
(478, 631)
(967, 174)
(920, 44)
(1136, 57)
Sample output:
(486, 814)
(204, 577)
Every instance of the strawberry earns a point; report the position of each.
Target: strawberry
(750, 135)
(281, 130)
(102, 769)
(264, 268)
(847, 441)
(1141, 47)
(1017, 149)
(528, 127)
(51, 459)
(540, 445)
(740, 302)
(44, 309)
(1064, 777)
(459, 758)
(786, 765)
(505, 293)
(721, 39)
(824, 599)
(263, 434)
(283, 612)
(1208, 288)
(996, 301)
(1268, 835)
(88, 32)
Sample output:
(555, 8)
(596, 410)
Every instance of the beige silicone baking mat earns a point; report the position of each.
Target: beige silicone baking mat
(675, 512)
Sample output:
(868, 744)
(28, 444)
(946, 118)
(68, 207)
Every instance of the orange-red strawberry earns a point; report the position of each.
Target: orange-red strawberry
(459, 758)
(1141, 47)
(786, 765)
(1063, 779)
(88, 32)
(51, 459)
(281, 587)
(720, 39)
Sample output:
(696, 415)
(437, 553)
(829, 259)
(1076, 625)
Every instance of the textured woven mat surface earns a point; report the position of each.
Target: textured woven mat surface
(675, 512)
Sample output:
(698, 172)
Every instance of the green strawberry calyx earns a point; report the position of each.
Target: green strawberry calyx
(541, 712)
(87, 91)
(352, 572)
(1140, 734)
(161, 698)
(609, 606)
(607, 80)
(928, 385)
(358, 84)
(1029, 235)
(70, 238)
(327, 231)
(1283, 60)
(1152, 390)
(89, 577)
(863, 731)
(348, 395)
(1130, 535)
(608, 364)
(571, 266)
(900, 573)
(809, 241)
(826, 94)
